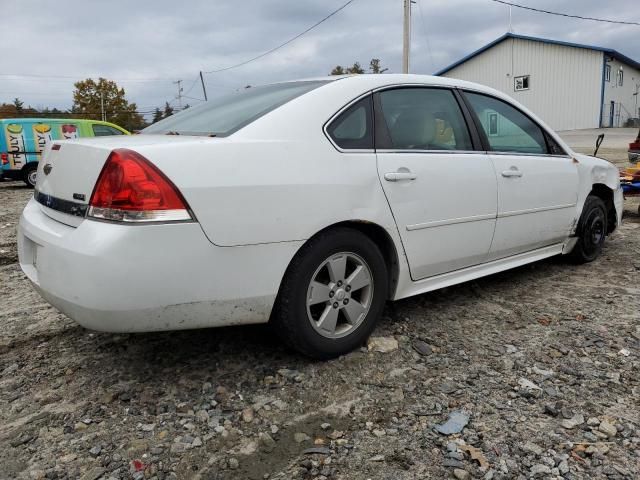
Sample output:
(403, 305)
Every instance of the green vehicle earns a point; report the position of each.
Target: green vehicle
(22, 141)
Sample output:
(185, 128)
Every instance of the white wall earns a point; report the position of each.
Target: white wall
(565, 82)
(626, 105)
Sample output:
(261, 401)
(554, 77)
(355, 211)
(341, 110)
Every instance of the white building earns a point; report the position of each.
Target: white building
(568, 85)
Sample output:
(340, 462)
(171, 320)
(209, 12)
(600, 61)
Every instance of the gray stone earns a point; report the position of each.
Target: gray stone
(382, 344)
(450, 462)
(455, 423)
(423, 348)
(569, 423)
(301, 437)
(461, 474)
(317, 451)
(234, 463)
(540, 470)
(266, 442)
(95, 451)
(608, 429)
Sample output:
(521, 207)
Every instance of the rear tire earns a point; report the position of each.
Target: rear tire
(591, 232)
(29, 174)
(332, 295)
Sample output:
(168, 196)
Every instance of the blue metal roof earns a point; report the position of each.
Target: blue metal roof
(609, 51)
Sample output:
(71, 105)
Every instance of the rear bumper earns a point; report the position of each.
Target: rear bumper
(135, 278)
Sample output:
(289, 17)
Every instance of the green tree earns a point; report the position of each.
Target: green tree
(168, 110)
(18, 104)
(89, 96)
(374, 67)
(157, 115)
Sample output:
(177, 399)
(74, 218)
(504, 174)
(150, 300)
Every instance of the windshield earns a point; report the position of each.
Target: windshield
(224, 115)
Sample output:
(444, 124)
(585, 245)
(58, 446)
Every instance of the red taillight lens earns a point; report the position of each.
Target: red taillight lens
(132, 189)
(4, 157)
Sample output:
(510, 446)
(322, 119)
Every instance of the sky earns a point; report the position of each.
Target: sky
(146, 45)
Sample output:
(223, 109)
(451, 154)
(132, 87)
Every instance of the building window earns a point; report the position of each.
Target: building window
(521, 83)
(493, 124)
(620, 78)
(607, 73)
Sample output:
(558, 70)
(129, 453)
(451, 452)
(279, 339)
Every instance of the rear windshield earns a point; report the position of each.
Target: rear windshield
(224, 115)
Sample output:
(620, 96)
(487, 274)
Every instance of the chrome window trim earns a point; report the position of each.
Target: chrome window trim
(448, 152)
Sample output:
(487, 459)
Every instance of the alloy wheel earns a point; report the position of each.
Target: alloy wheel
(339, 295)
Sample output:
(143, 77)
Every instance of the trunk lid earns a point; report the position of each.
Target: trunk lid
(69, 170)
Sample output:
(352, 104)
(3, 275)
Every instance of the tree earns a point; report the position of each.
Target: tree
(157, 115)
(18, 104)
(168, 110)
(89, 96)
(374, 67)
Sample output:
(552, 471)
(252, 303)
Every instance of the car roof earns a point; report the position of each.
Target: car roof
(384, 79)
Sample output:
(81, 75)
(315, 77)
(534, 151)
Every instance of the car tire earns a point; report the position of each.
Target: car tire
(29, 174)
(591, 231)
(332, 294)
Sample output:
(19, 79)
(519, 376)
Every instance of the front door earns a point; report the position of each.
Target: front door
(537, 182)
(442, 193)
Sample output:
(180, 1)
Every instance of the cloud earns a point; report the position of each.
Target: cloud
(133, 42)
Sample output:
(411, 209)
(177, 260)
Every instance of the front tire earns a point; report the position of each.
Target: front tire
(332, 295)
(29, 174)
(591, 232)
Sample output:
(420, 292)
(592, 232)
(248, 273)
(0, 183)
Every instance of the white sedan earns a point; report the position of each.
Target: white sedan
(308, 204)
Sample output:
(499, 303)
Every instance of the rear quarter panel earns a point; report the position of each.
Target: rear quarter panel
(253, 192)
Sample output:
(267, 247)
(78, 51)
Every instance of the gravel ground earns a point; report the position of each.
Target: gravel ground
(536, 370)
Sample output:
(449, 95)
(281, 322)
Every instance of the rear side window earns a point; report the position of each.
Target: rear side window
(507, 128)
(104, 130)
(353, 128)
(424, 119)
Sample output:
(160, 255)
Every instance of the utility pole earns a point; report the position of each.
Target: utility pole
(406, 36)
(179, 83)
(204, 90)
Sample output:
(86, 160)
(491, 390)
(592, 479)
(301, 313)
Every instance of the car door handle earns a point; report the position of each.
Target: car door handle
(397, 176)
(512, 172)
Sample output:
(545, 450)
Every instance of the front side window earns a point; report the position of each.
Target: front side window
(227, 114)
(424, 119)
(104, 130)
(353, 129)
(507, 129)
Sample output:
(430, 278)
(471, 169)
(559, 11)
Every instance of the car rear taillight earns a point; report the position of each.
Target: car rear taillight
(634, 145)
(4, 158)
(132, 189)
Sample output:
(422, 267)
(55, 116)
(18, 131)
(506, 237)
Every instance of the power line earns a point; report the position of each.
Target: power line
(282, 44)
(426, 35)
(620, 22)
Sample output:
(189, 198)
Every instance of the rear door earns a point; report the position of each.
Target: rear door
(442, 192)
(537, 181)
